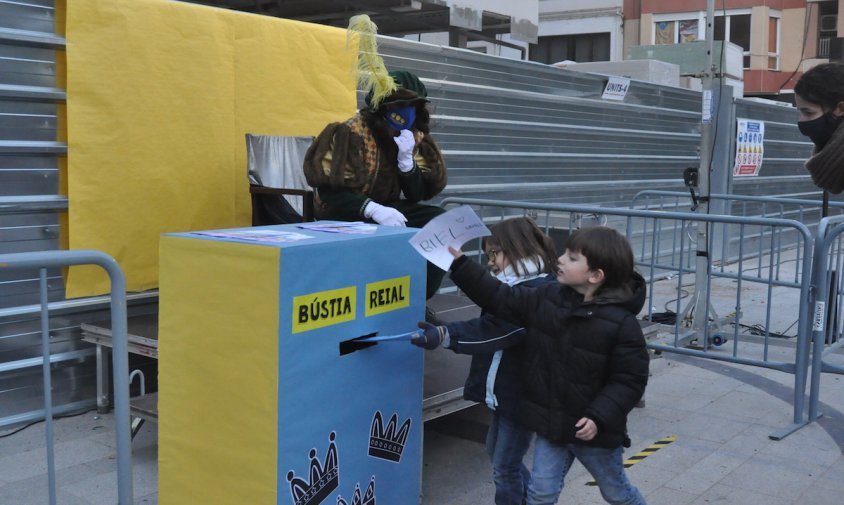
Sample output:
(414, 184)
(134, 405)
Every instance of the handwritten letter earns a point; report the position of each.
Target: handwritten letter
(453, 228)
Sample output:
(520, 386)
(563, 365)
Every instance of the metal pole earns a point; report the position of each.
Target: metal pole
(48, 386)
(702, 261)
(825, 204)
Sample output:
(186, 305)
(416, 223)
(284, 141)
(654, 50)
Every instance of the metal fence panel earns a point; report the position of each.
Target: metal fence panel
(746, 300)
(46, 359)
(827, 324)
(29, 216)
(515, 129)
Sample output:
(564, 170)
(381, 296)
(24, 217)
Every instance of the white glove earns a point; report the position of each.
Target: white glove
(381, 214)
(406, 142)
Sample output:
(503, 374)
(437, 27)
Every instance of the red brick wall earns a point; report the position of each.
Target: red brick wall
(767, 81)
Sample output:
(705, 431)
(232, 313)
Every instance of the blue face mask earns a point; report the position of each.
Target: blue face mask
(401, 119)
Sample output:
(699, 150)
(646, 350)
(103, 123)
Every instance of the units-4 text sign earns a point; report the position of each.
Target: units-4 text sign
(453, 228)
(616, 88)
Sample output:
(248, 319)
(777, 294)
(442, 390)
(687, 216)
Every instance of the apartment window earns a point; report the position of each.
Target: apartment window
(827, 22)
(735, 28)
(580, 48)
(676, 32)
(773, 43)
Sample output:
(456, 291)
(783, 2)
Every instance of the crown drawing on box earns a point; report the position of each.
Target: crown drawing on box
(387, 443)
(322, 478)
(368, 497)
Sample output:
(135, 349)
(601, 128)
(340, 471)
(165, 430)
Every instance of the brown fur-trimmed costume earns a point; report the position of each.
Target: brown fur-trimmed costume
(353, 162)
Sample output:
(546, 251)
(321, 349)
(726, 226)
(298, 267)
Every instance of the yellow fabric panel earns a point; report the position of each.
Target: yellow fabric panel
(150, 117)
(218, 297)
(160, 97)
(59, 9)
(291, 78)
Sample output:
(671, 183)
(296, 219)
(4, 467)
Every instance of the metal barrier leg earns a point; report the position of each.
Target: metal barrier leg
(138, 422)
(103, 393)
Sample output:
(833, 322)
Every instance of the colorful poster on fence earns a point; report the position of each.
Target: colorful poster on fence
(750, 140)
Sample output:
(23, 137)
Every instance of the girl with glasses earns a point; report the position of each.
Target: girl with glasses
(518, 252)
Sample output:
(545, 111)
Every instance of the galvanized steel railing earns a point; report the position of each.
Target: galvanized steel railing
(727, 243)
(826, 320)
(61, 259)
(764, 349)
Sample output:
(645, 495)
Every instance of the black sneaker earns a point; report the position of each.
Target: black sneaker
(431, 317)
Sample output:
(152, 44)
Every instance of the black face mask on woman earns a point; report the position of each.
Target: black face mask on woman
(820, 129)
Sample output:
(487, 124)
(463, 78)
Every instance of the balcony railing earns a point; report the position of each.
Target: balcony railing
(823, 46)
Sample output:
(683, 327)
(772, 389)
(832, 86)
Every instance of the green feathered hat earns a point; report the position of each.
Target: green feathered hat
(383, 87)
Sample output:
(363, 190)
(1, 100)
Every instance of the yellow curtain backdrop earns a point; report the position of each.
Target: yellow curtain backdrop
(160, 96)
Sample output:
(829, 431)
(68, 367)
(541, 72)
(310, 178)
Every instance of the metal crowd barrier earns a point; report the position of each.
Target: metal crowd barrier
(745, 205)
(826, 322)
(805, 211)
(60, 259)
(662, 257)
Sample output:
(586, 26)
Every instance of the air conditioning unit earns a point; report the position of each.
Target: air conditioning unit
(828, 22)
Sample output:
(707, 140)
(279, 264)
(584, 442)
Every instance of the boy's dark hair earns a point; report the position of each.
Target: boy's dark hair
(822, 85)
(604, 249)
(519, 238)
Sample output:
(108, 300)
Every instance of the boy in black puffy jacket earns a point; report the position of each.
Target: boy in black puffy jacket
(585, 363)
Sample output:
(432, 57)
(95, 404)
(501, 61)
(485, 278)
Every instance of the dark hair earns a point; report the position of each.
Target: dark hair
(519, 239)
(822, 85)
(604, 249)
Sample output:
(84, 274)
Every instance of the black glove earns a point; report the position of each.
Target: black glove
(429, 336)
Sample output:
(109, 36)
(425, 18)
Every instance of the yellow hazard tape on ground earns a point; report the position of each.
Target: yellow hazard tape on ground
(639, 456)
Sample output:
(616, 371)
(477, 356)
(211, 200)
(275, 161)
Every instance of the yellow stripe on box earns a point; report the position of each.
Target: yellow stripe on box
(644, 453)
(388, 295)
(218, 352)
(323, 308)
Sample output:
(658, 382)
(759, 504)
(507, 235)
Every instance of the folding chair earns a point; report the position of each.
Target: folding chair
(280, 193)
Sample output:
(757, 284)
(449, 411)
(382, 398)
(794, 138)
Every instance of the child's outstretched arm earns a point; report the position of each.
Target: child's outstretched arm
(482, 335)
(509, 303)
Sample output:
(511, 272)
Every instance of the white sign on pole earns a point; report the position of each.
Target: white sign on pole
(706, 107)
(453, 228)
(750, 147)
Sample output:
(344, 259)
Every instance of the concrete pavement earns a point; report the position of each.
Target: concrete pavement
(721, 414)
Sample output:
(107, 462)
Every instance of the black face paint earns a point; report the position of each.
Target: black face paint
(820, 129)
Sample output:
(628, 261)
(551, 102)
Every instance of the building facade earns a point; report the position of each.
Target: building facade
(780, 39)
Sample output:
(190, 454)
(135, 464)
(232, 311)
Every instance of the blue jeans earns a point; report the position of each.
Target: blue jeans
(506, 443)
(551, 463)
